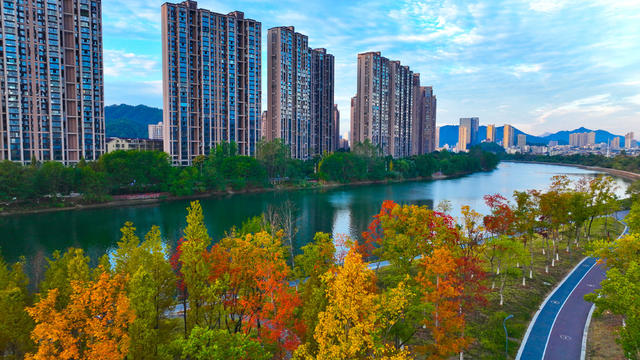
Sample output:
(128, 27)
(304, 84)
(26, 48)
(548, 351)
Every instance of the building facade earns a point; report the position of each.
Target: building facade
(211, 81)
(155, 131)
(491, 133)
(114, 144)
(289, 89)
(629, 140)
(463, 138)
(582, 139)
(522, 140)
(424, 119)
(52, 88)
(384, 105)
(336, 128)
(472, 125)
(507, 136)
(322, 136)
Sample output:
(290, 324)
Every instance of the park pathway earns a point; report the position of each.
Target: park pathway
(558, 330)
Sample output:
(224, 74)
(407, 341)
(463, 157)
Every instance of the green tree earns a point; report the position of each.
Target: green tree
(206, 344)
(274, 156)
(62, 270)
(15, 322)
(151, 290)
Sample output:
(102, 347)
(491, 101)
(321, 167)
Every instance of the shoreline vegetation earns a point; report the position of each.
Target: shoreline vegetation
(623, 166)
(447, 288)
(127, 178)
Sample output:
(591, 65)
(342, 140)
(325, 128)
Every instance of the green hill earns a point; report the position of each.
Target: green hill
(129, 121)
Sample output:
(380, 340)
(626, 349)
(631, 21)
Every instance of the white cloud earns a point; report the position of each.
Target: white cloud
(596, 106)
(521, 69)
(119, 63)
(464, 70)
(635, 99)
(547, 6)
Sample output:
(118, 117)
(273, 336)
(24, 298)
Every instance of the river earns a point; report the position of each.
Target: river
(344, 210)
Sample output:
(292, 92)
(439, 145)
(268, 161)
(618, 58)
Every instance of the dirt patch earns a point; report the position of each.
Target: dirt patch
(601, 343)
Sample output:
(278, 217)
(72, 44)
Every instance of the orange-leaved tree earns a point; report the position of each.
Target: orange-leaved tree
(93, 325)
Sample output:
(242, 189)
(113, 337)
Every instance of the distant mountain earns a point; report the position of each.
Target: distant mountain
(130, 121)
(449, 135)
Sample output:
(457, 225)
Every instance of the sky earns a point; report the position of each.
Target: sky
(540, 65)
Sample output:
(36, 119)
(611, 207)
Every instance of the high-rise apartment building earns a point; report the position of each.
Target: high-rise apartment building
(289, 89)
(628, 140)
(522, 140)
(52, 84)
(463, 138)
(336, 128)
(582, 139)
(322, 137)
(300, 93)
(424, 118)
(507, 136)
(472, 125)
(211, 75)
(437, 137)
(615, 143)
(384, 104)
(354, 133)
(491, 133)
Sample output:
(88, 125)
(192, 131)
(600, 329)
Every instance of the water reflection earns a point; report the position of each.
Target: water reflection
(346, 210)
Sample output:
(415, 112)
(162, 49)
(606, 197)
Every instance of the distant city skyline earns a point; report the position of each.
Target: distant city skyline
(541, 66)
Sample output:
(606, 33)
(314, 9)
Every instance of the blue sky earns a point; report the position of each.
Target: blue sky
(541, 65)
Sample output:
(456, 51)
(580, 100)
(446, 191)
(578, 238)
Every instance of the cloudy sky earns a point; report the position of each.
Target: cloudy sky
(541, 65)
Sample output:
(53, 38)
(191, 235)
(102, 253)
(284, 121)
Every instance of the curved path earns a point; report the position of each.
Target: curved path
(558, 329)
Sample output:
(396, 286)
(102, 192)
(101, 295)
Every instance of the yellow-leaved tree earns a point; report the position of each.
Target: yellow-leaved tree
(93, 325)
(357, 317)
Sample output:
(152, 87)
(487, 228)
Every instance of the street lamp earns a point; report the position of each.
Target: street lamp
(506, 336)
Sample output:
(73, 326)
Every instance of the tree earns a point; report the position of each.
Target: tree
(316, 259)
(526, 215)
(274, 156)
(93, 325)
(356, 317)
(510, 253)
(62, 270)
(150, 287)
(194, 269)
(205, 344)
(441, 288)
(15, 323)
(602, 194)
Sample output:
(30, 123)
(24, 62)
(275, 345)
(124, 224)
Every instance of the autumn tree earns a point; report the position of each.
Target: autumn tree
(442, 289)
(316, 259)
(15, 323)
(93, 325)
(356, 317)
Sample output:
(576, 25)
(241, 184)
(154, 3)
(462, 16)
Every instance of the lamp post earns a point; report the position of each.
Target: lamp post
(506, 336)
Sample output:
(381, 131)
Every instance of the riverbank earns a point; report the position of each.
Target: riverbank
(620, 173)
(148, 199)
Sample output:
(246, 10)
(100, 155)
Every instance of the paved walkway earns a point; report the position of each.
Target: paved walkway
(556, 331)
